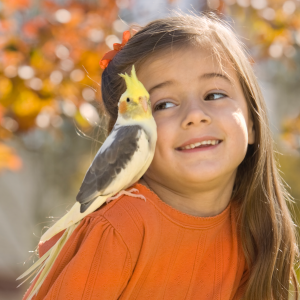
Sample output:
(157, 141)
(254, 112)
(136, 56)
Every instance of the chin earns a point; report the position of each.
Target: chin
(199, 176)
(197, 179)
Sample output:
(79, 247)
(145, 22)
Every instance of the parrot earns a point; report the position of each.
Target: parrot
(121, 161)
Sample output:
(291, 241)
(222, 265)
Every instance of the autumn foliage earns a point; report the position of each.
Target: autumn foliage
(49, 66)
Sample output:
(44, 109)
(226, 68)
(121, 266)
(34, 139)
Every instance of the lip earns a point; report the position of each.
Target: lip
(198, 140)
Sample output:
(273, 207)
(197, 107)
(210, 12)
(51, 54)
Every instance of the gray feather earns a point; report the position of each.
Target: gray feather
(108, 164)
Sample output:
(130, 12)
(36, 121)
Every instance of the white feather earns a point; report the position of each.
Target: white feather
(136, 167)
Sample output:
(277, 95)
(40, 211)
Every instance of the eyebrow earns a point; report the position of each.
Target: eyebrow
(204, 76)
(161, 85)
(212, 75)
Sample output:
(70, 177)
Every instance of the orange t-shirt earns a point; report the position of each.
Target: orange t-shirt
(136, 249)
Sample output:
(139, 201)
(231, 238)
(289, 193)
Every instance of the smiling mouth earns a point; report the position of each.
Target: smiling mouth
(204, 144)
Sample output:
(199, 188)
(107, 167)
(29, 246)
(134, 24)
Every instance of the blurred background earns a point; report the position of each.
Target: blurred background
(51, 118)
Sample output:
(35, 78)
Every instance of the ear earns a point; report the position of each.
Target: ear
(251, 132)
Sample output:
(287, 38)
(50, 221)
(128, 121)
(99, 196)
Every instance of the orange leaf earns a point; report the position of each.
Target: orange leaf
(16, 4)
(1, 112)
(27, 104)
(8, 159)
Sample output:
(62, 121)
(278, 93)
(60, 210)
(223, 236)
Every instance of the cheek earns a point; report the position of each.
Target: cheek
(233, 120)
(238, 135)
(165, 128)
(240, 125)
(165, 138)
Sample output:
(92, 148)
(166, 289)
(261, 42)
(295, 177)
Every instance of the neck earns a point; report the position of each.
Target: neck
(206, 202)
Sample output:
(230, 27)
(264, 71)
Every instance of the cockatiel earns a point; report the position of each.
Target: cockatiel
(120, 162)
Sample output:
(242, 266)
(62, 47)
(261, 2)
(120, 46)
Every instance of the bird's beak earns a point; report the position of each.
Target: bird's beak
(144, 103)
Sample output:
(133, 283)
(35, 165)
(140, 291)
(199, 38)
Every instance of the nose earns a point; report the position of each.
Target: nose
(195, 113)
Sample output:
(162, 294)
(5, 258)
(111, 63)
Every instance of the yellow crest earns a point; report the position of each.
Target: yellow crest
(134, 86)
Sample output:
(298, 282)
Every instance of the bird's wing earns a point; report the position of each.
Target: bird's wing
(135, 157)
(117, 167)
(105, 174)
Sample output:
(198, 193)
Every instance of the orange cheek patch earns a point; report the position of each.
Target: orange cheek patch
(122, 107)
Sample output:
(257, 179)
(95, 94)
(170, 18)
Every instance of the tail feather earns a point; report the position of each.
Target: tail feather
(72, 217)
(69, 222)
(35, 272)
(46, 265)
(35, 265)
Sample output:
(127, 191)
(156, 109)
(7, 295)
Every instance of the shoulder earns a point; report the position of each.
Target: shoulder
(127, 206)
(128, 217)
(131, 216)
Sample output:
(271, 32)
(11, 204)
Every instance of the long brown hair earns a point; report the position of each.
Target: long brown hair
(266, 229)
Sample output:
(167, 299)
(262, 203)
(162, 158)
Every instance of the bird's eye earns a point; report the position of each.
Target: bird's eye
(128, 100)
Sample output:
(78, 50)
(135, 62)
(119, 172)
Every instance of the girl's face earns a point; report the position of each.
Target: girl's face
(194, 99)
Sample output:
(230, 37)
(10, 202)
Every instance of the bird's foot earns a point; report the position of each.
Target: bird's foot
(128, 193)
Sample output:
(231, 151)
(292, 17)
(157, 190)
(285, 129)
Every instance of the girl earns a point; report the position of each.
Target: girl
(215, 224)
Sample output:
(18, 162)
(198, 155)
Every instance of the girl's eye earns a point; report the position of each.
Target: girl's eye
(163, 105)
(214, 96)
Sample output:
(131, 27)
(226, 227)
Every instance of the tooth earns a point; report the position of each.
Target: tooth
(192, 146)
(204, 143)
(197, 144)
(187, 147)
(213, 142)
